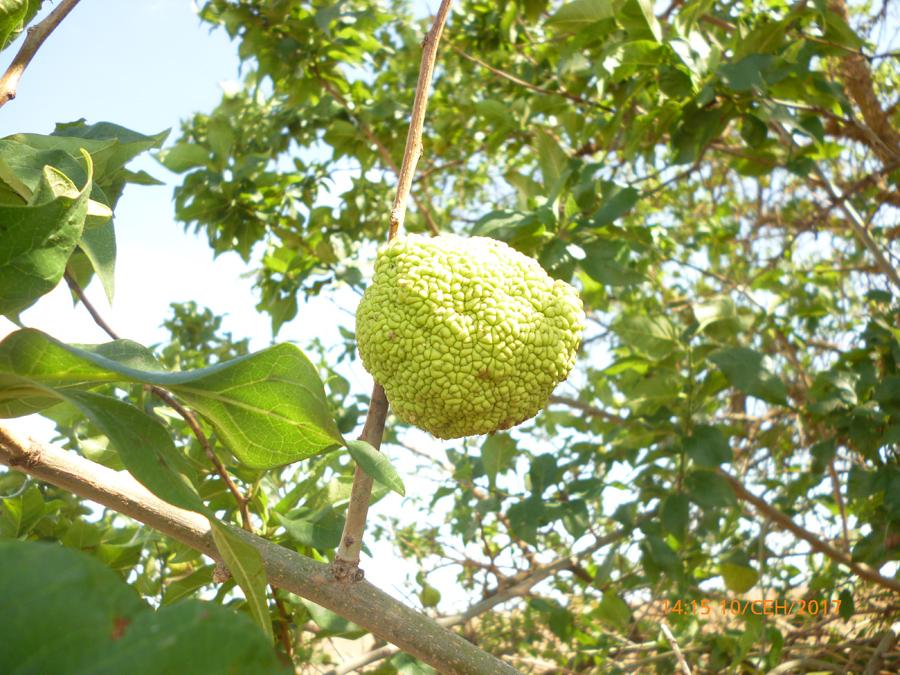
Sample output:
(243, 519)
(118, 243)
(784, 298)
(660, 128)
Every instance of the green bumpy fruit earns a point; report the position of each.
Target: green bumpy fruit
(466, 335)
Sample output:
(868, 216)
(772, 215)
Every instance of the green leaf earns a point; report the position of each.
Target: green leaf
(707, 446)
(713, 312)
(99, 245)
(322, 531)
(185, 586)
(656, 337)
(208, 637)
(614, 611)
(14, 16)
(269, 408)
(708, 489)
(183, 156)
(675, 514)
(746, 370)
(118, 146)
(376, 465)
(144, 445)
(746, 74)
(37, 239)
(497, 454)
(91, 621)
(638, 19)
(847, 608)
(551, 158)
(738, 578)
(617, 201)
(246, 567)
(578, 15)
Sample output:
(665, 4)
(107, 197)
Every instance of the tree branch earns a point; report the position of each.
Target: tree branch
(679, 657)
(528, 85)
(382, 150)
(34, 38)
(346, 561)
(413, 149)
(362, 603)
(783, 521)
(518, 586)
(857, 79)
(873, 667)
(173, 403)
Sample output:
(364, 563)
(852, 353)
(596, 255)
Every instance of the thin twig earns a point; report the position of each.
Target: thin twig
(859, 569)
(528, 85)
(95, 315)
(666, 631)
(382, 150)
(836, 490)
(346, 561)
(35, 37)
(413, 149)
(858, 225)
(884, 645)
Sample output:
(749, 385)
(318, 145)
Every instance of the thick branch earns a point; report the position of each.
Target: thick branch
(516, 586)
(361, 603)
(346, 560)
(35, 37)
(784, 522)
(857, 79)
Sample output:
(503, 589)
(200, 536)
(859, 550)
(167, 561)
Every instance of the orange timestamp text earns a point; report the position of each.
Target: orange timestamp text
(748, 607)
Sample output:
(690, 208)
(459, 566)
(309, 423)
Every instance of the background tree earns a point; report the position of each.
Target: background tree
(718, 179)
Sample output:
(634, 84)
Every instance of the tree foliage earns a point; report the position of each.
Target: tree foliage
(717, 179)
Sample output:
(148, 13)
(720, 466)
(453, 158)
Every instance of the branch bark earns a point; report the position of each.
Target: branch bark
(413, 149)
(34, 38)
(361, 603)
(346, 560)
(518, 586)
(785, 523)
(857, 79)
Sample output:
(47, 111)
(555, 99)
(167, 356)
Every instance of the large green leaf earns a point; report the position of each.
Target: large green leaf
(707, 446)
(577, 15)
(269, 408)
(65, 612)
(746, 370)
(143, 444)
(497, 454)
(37, 238)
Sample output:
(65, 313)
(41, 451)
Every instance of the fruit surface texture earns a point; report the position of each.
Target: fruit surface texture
(466, 335)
